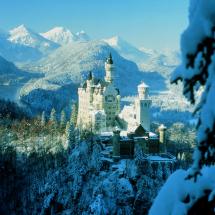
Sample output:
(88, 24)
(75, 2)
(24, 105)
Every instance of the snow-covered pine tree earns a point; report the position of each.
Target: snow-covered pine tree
(43, 118)
(62, 119)
(53, 116)
(197, 72)
(70, 135)
(74, 114)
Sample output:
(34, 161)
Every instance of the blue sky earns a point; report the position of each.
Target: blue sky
(153, 24)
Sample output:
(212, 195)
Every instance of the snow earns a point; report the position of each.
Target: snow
(179, 194)
(162, 127)
(201, 22)
(153, 135)
(60, 35)
(158, 158)
(171, 199)
(64, 36)
(82, 36)
(143, 85)
(25, 36)
(127, 50)
(98, 206)
(106, 134)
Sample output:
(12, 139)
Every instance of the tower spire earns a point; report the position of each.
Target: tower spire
(109, 59)
(90, 76)
(109, 68)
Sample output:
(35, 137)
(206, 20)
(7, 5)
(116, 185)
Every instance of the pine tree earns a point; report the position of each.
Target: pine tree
(43, 119)
(62, 118)
(197, 73)
(74, 114)
(70, 135)
(53, 116)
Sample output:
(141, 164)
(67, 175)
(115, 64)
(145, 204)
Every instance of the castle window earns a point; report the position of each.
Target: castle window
(109, 98)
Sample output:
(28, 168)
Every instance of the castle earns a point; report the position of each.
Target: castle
(99, 101)
(99, 110)
(99, 104)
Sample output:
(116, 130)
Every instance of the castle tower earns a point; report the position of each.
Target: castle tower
(142, 106)
(109, 69)
(162, 137)
(90, 86)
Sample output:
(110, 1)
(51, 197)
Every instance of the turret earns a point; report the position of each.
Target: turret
(109, 69)
(90, 87)
(162, 137)
(143, 91)
(142, 106)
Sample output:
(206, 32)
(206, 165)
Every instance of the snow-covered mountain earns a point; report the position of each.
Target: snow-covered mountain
(21, 44)
(27, 37)
(60, 35)
(64, 36)
(162, 62)
(82, 36)
(146, 59)
(127, 50)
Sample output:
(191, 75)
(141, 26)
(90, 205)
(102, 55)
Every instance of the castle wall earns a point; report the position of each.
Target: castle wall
(84, 117)
(111, 104)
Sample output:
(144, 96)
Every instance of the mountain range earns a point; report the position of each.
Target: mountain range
(22, 44)
(63, 59)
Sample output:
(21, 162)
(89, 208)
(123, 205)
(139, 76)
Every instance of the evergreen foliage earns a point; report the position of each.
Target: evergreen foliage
(43, 118)
(196, 74)
(63, 119)
(74, 114)
(53, 118)
(11, 110)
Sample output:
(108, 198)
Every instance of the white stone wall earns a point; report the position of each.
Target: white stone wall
(142, 109)
(84, 117)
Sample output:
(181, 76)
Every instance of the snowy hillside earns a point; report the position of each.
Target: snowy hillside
(64, 36)
(16, 52)
(10, 74)
(164, 62)
(12, 79)
(146, 59)
(82, 36)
